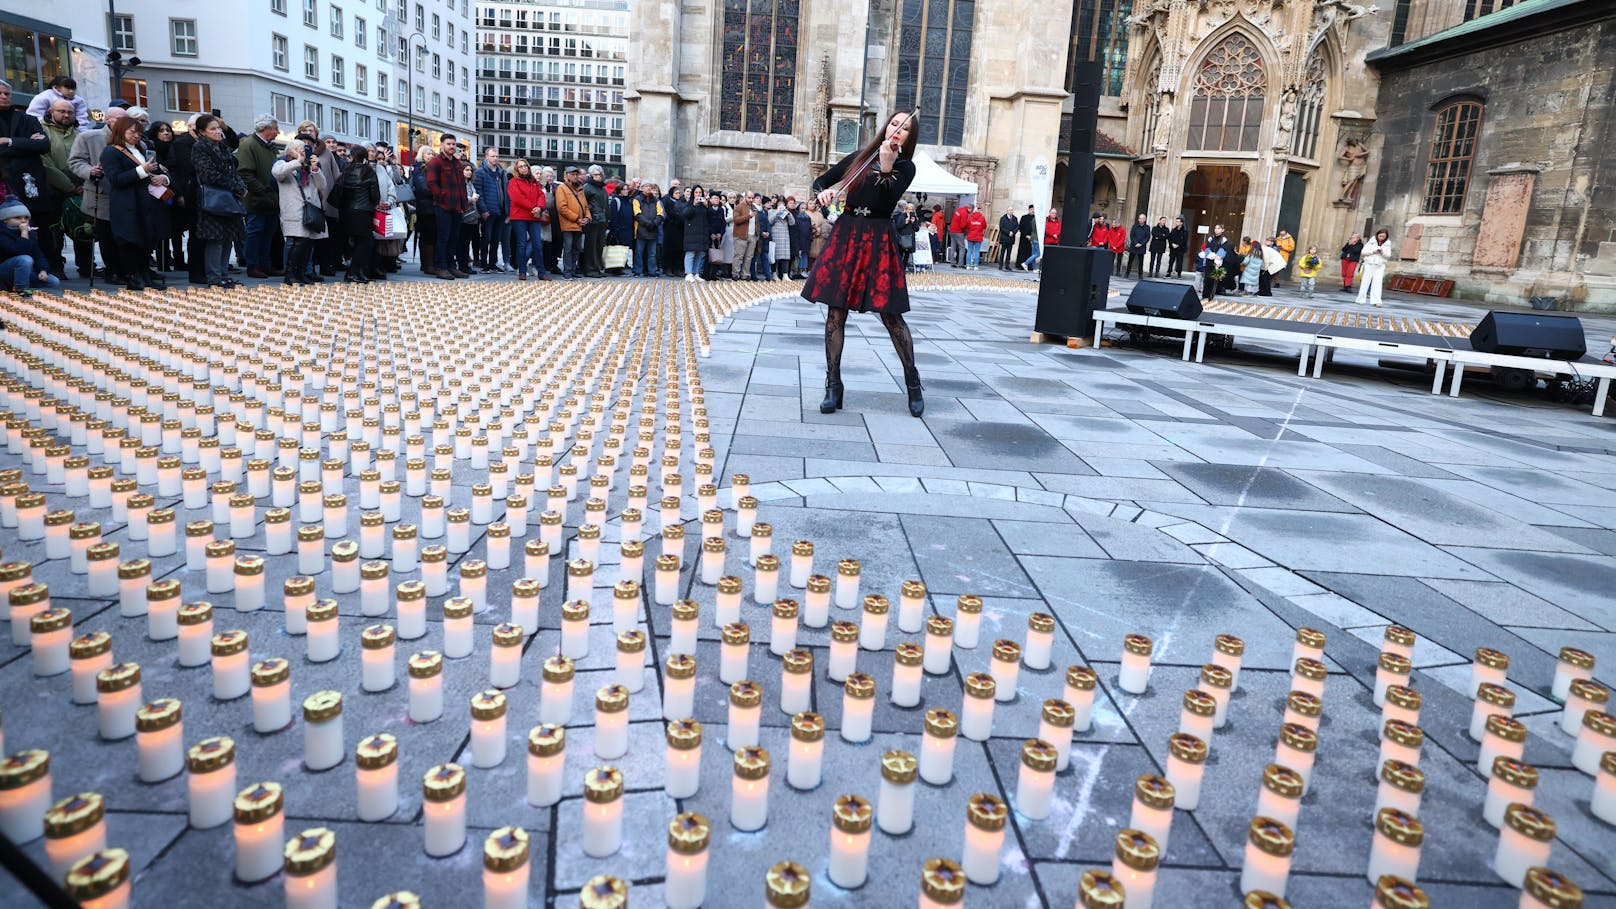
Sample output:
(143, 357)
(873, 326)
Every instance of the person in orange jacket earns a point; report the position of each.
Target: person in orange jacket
(1117, 242)
(956, 235)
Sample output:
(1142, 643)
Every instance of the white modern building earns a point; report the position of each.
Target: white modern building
(338, 63)
(550, 79)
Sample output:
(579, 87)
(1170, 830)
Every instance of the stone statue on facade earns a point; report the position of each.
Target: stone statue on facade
(1354, 159)
(1163, 134)
(1287, 120)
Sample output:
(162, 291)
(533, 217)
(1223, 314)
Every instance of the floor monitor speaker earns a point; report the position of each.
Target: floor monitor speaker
(1530, 334)
(1074, 283)
(1165, 298)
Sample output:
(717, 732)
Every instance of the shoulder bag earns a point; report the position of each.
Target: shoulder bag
(313, 213)
(220, 203)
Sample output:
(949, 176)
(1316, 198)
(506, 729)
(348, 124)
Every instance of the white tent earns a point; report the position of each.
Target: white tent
(931, 179)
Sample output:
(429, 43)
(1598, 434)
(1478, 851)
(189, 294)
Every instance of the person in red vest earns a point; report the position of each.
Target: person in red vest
(976, 226)
(1099, 232)
(1117, 242)
(1052, 229)
(956, 235)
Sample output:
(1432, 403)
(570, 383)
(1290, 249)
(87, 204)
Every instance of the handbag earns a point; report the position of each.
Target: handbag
(313, 217)
(220, 202)
(470, 216)
(403, 192)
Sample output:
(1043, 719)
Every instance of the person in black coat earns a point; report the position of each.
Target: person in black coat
(1219, 253)
(1138, 241)
(905, 224)
(1178, 242)
(1009, 224)
(672, 247)
(802, 237)
(1158, 246)
(213, 164)
(182, 171)
(357, 196)
(717, 223)
(1027, 230)
(694, 239)
(139, 219)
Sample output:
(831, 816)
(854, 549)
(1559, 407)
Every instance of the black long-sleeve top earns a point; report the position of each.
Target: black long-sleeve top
(876, 194)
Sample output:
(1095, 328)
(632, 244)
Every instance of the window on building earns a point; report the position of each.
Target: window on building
(361, 125)
(420, 18)
(1309, 112)
(465, 43)
(381, 87)
(278, 53)
(1400, 22)
(123, 32)
(339, 76)
(437, 26)
(134, 91)
(311, 13)
(336, 21)
(182, 35)
(437, 104)
(1099, 32)
(278, 7)
(1453, 150)
(1226, 107)
(451, 71)
(314, 112)
(437, 66)
(361, 79)
(361, 32)
(311, 62)
(339, 121)
(420, 59)
(420, 98)
(757, 91)
(384, 131)
(465, 113)
(381, 42)
(282, 107)
(188, 97)
(934, 65)
(1475, 9)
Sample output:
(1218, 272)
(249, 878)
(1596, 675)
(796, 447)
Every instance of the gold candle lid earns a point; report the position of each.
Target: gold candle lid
(97, 874)
(134, 568)
(745, 694)
(1587, 689)
(1581, 659)
(940, 625)
(1138, 645)
(1216, 676)
(670, 562)
(876, 604)
(1006, 651)
(453, 608)
(1399, 826)
(1404, 697)
(1492, 659)
(51, 620)
(737, 633)
(525, 587)
(1155, 792)
(728, 585)
(1404, 776)
(859, 685)
(272, 671)
(211, 754)
(166, 589)
(1039, 755)
(986, 811)
(1310, 638)
(1138, 850)
(425, 665)
(473, 568)
(321, 706)
(505, 849)
(798, 662)
(1553, 889)
(980, 685)
(1397, 634)
(489, 705)
(536, 548)
(1041, 622)
(752, 763)
(546, 740)
(575, 611)
(199, 529)
(229, 643)
(968, 604)
(376, 751)
(432, 554)
(443, 783)
(941, 722)
(1099, 890)
(603, 892)
(510, 634)
(603, 784)
(400, 899)
(580, 568)
(1530, 822)
(680, 666)
(1187, 748)
(117, 677)
(1299, 737)
(1393, 892)
(943, 881)
(818, 583)
(558, 669)
(1271, 836)
(785, 608)
(258, 802)
(1496, 695)
(278, 516)
(1394, 663)
(1304, 703)
(23, 768)
(1082, 678)
(74, 814)
(322, 611)
(157, 715)
(1309, 668)
(1509, 729)
(1200, 703)
(899, 767)
(683, 735)
(689, 833)
(1229, 644)
(1600, 722)
(1282, 781)
(310, 851)
(852, 814)
(787, 886)
(198, 613)
(610, 699)
(808, 727)
(844, 632)
(90, 644)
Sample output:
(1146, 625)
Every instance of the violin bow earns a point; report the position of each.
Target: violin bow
(875, 157)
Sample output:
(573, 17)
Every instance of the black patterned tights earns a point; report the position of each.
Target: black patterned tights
(897, 328)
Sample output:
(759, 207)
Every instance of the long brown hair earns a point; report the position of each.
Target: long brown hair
(119, 132)
(871, 150)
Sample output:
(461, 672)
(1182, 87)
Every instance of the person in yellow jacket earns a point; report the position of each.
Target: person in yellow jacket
(1309, 268)
(1287, 248)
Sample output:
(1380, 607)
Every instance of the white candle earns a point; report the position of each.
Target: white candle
(847, 583)
(1596, 737)
(575, 629)
(851, 820)
(1229, 651)
(278, 531)
(1040, 640)
(81, 537)
(625, 606)
(685, 885)
(783, 627)
(1296, 749)
(259, 829)
(1489, 667)
(683, 623)
(133, 576)
(1035, 781)
(1309, 645)
(505, 869)
(745, 713)
(162, 609)
(546, 757)
(683, 758)
(443, 791)
(322, 730)
(1133, 866)
(802, 561)
(248, 573)
(118, 698)
(31, 515)
(985, 819)
(1525, 841)
(1280, 796)
(1504, 736)
(310, 549)
(406, 548)
(51, 632)
(1267, 867)
(1219, 683)
(231, 673)
(1582, 695)
(555, 697)
(1055, 727)
(1390, 669)
(906, 674)
(1490, 699)
(89, 654)
(1303, 709)
(409, 599)
(435, 570)
(603, 812)
(100, 880)
(766, 578)
(667, 579)
(858, 707)
(678, 686)
(211, 783)
(843, 650)
(373, 588)
(796, 681)
(488, 710)
(525, 603)
(102, 563)
(976, 719)
(426, 686)
(1186, 765)
(457, 628)
(1152, 811)
(611, 722)
(1395, 849)
(749, 789)
(1134, 676)
(728, 602)
(25, 795)
(376, 776)
(805, 760)
(873, 625)
(474, 583)
(195, 632)
(816, 603)
(243, 516)
(1402, 786)
(1572, 664)
(322, 642)
(1005, 668)
(734, 653)
(271, 695)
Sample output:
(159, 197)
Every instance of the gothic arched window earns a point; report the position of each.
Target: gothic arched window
(1309, 110)
(1453, 150)
(1152, 107)
(758, 88)
(1227, 108)
(934, 65)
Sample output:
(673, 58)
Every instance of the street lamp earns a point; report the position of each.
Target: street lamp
(115, 61)
(409, 102)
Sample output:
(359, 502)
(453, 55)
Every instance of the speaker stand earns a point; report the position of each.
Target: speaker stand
(1039, 337)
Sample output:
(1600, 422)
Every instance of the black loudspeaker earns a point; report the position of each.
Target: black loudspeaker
(1075, 205)
(1530, 334)
(1165, 298)
(1073, 285)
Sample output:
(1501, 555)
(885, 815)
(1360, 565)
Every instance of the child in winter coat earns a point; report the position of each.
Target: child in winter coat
(22, 262)
(1309, 268)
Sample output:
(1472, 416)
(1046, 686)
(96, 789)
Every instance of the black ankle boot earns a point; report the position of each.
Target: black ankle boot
(833, 395)
(917, 403)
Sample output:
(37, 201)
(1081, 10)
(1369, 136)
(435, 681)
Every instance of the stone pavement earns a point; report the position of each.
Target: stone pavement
(1120, 490)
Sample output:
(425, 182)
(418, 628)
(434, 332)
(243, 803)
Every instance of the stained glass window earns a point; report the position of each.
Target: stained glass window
(934, 66)
(1453, 150)
(758, 89)
(1226, 112)
(1100, 32)
(1309, 110)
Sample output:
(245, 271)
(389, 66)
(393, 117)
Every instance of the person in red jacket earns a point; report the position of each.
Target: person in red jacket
(976, 225)
(529, 212)
(1052, 229)
(1099, 232)
(956, 235)
(1117, 242)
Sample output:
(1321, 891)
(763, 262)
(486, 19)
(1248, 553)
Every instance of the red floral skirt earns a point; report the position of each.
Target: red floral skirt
(859, 269)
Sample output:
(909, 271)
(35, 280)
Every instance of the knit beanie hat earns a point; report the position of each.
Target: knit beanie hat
(12, 207)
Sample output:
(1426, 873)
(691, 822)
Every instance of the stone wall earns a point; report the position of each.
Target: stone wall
(1549, 128)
